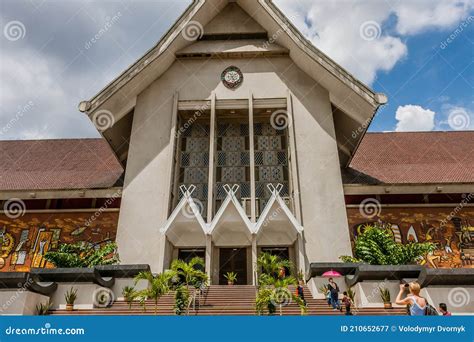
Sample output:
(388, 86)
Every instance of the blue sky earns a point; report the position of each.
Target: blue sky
(435, 78)
(394, 46)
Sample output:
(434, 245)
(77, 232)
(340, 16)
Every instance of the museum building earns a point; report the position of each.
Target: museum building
(234, 136)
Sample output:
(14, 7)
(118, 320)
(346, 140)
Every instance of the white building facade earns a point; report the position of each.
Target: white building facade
(233, 130)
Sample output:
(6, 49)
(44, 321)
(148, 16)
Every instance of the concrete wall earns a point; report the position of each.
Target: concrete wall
(145, 199)
(20, 302)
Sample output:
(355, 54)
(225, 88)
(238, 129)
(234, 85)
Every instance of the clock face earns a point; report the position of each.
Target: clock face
(232, 77)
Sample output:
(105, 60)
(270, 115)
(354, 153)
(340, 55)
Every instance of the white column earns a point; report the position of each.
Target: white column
(253, 204)
(254, 258)
(301, 254)
(210, 182)
(209, 257)
(163, 243)
(293, 160)
(253, 217)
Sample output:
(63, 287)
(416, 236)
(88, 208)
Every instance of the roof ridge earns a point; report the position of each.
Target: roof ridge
(49, 139)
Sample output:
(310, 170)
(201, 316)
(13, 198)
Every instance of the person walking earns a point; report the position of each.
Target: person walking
(300, 291)
(347, 302)
(334, 293)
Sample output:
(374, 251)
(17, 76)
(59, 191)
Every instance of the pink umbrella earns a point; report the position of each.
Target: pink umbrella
(331, 273)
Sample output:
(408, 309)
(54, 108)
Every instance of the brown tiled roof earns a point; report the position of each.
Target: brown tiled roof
(57, 164)
(417, 157)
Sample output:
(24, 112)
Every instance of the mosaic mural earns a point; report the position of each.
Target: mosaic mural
(453, 235)
(25, 240)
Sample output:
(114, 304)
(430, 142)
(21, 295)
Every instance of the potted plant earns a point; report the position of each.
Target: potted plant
(42, 309)
(231, 277)
(385, 295)
(70, 296)
(351, 294)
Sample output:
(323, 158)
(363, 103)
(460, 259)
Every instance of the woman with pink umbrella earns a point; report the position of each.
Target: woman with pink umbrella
(333, 289)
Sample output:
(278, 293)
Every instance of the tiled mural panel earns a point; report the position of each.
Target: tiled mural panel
(25, 240)
(451, 229)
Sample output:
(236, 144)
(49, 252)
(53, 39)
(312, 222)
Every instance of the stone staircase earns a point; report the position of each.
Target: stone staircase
(222, 300)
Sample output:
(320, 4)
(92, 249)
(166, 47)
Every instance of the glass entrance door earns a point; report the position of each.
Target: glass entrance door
(233, 260)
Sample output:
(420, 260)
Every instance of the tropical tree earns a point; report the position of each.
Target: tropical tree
(158, 285)
(129, 295)
(273, 288)
(181, 300)
(189, 273)
(270, 264)
(376, 246)
(83, 255)
(184, 275)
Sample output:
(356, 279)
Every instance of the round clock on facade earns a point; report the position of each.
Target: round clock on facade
(232, 77)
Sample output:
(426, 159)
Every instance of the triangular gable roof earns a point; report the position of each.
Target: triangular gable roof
(232, 201)
(278, 231)
(276, 199)
(346, 92)
(178, 213)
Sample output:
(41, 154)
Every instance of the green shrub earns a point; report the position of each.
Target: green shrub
(83, 255)
(181, 300)
(376, 246)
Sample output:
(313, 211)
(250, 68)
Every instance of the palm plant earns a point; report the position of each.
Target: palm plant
(70, 296)
(189, 273)
(231, 277)
(129, 294)
(271, 264)
(158, 285)
(376, 246)
(185, 274)
(277, 293)
(385, 296)
(324, 289)
(263, 301)
(273, 288)
(83, 255)
(42, 309)
(181, 300)
(351, 294)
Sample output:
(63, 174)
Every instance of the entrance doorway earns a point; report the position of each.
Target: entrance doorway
(233, 260)
(187, 254)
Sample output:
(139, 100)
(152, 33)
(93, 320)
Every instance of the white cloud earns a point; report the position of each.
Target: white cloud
(412, 118)
(35, 103)
(334, 27)
(44, 75)
(420, 15)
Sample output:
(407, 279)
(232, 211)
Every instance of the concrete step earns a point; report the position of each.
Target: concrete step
(224, 300)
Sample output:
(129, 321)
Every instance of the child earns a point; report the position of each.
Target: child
(443, 308)
(347, 303)
(300, 291)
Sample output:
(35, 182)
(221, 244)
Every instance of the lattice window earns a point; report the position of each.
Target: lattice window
(193, 161)
(271, 161)
(233, 160)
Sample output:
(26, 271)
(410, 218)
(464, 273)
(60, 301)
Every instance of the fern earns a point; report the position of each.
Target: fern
(83, 255)
(375, 246)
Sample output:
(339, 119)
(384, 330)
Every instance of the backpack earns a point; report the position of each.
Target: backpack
(430, 310)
